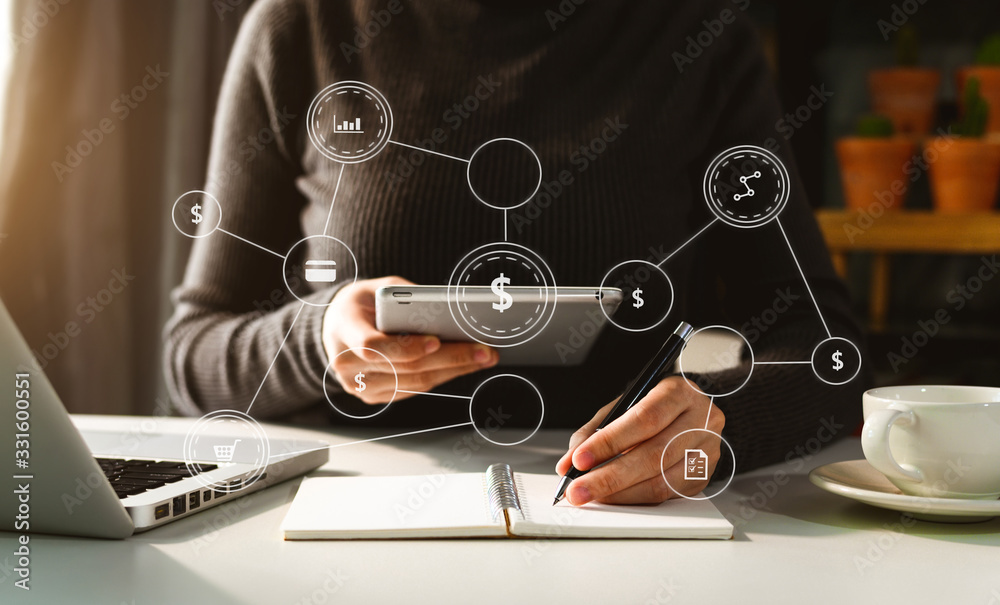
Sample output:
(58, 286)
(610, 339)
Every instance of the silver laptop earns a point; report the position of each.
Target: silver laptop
(109, 483)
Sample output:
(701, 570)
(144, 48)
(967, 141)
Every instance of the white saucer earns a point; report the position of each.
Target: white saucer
(856, 479)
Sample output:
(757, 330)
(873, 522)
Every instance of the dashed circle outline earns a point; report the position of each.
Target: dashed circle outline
(385, 406)
(284, 268)
(694, 385)
(173, 213)
(784, 185)
(670, 307)
(541, 402)
(317, 139)
(195, 467)
(468, 174)
(549, 290)
(663, 472)
(812, 361)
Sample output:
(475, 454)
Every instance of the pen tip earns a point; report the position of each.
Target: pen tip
(556, 501)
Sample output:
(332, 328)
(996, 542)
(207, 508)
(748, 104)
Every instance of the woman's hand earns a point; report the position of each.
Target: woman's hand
(421, 362)
(672, 407)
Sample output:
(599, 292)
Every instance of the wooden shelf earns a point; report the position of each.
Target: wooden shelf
(911, 232)
(903, 231)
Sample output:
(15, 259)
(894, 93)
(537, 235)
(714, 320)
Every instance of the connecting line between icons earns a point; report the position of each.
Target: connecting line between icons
(781, 363)
(243, 239)
(465, 397)
(316, 449)
(444, 155)
(690, 239)
(711, 402)
(326, 227)
(280, 347)
(803, 274)
(504, 224)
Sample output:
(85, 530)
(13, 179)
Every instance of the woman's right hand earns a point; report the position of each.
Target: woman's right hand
(421, 362)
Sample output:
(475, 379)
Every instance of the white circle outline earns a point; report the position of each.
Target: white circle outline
(314, 136)
(385, 406)
(173, 213)
(782, 175)
(812, 361)
(284, 268)
(694, 385)
(663, 473)
(453, 292)
(468, 173)
(478, 330)
(665, 276)
(541, 402)
(195, 468)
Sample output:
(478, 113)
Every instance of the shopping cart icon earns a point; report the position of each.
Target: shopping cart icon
(224, 453)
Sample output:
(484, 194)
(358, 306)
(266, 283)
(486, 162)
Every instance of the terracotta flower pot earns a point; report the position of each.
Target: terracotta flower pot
(907, 96)
(989, 87)
(964, 175)
(872, 171)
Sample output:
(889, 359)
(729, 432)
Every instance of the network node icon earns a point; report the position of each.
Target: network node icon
(746, 186)
(349, 122)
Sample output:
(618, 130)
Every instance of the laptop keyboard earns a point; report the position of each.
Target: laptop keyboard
(131, 477)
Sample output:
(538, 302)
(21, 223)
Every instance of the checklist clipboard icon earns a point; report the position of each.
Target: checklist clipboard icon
(695, 465)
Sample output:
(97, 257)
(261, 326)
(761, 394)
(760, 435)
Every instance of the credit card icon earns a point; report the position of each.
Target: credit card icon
(321, 271)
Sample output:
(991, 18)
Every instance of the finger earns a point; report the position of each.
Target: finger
(651, 491)
(631, 468)
(425, 381)
(361, 336)
(451, 355)
(562, 467)
(652, 414)
(374, 387)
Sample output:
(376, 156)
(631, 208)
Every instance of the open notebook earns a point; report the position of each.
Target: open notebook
(497, 503)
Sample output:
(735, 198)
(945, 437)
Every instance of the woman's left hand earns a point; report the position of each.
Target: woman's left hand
(672, 407)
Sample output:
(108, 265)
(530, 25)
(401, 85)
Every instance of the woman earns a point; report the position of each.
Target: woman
(631, 99)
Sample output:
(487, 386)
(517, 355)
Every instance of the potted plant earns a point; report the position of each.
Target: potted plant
(987, 71)
(906, 93)
(872, 165)
(965, 169)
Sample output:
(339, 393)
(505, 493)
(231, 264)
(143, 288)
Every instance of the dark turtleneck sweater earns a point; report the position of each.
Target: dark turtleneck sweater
(556, 85)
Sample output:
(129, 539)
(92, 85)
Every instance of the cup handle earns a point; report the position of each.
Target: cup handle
(875, 442)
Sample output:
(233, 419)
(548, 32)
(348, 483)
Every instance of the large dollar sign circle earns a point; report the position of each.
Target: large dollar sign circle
(487, 282)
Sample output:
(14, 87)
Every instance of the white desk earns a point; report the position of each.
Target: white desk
(802, 546)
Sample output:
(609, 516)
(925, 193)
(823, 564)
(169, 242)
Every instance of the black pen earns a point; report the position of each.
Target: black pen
(637, 389)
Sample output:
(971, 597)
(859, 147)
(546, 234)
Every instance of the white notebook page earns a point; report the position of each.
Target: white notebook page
(676, 518)
(421, 506)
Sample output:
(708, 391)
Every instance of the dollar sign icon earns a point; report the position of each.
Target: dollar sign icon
(637, 295)
(505, 299)
(359, 378)
(195, 212)
(837, 364)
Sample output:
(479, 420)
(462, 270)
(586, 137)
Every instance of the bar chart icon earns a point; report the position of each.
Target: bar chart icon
(347, 126)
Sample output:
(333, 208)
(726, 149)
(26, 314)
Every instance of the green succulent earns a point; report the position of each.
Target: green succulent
(989, 51)
(874, 126)
(975, 114)
(907, 46)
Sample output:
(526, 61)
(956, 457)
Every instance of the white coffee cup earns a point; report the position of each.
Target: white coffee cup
(935, 441)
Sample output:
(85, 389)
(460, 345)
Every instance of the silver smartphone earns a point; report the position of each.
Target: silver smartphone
(527, 325)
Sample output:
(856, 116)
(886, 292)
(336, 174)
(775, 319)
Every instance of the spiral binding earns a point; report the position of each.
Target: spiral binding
(501, 489)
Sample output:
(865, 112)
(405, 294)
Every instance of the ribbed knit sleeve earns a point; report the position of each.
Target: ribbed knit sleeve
(233, 311)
